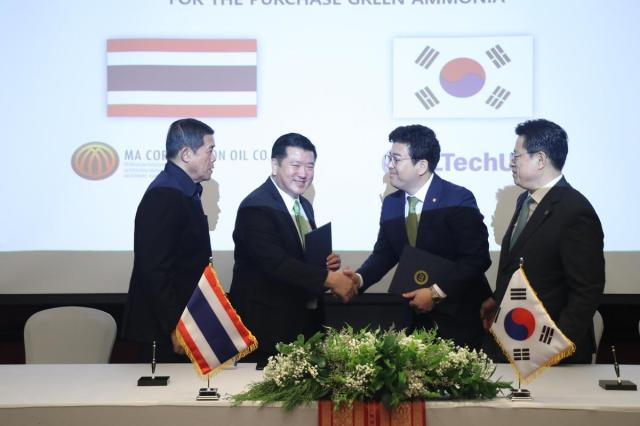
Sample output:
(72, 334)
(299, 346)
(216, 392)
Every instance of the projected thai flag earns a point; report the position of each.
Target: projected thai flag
(463, 77)
(182, 78)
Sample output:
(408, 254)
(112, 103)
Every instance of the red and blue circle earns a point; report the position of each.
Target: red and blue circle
(519, 324)
(462, 77)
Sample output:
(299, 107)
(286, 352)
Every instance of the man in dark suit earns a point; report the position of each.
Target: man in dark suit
(439, 217)
(276, 293)
(557, 234)
(171, 243)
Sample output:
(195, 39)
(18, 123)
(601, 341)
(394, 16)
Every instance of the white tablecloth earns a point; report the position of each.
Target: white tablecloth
(107, 394)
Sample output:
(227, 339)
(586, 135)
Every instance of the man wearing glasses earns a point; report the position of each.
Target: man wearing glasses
(557, 233)
(439, 217)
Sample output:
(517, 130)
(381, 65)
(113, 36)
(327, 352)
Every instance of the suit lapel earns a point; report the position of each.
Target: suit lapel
(280, 206)
(431, 201)
(539, 216)
(506, 240)
(434, 194)
(308, 210)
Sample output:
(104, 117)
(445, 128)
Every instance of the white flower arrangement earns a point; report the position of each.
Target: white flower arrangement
(390, 366)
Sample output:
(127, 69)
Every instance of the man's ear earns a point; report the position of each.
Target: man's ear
(423, 167)
(274, 166)
(543, 159)
(185, 154)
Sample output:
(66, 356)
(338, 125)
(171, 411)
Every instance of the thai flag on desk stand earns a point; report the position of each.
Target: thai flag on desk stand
(527, 335)
(210, 330)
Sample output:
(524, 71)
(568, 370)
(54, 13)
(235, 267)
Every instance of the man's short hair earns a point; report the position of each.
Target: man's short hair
(279, 149)
(422, 142)
(546, 136)
(187, 132)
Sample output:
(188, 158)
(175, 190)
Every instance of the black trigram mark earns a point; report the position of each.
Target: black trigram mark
(546, 335)
(518, 294)
(521, 354)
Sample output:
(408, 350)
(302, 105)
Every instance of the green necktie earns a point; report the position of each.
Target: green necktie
(301, 222)
(523, 217)
(412, 221)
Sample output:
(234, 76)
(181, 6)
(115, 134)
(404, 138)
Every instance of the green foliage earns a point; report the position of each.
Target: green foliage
(387, 366)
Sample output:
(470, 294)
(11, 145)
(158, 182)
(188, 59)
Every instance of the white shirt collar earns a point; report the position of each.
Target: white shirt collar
(421, 194)
(288, 199)
(539, 193)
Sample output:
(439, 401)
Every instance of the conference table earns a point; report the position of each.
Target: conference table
(107, 394)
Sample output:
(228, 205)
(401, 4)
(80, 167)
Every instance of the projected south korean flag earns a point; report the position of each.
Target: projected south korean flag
(465, 77)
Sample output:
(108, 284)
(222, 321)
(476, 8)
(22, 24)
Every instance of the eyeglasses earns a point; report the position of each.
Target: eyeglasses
(514, 156)
(389, 159)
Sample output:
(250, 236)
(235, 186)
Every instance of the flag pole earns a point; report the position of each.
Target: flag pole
(198, 338)
(520, 394)
(208, 393)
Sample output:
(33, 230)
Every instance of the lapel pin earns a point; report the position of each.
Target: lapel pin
(433, 200)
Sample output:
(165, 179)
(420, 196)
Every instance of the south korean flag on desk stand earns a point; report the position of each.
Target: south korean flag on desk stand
(527, 335)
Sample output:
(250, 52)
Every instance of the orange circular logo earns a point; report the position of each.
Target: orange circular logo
(95, 161)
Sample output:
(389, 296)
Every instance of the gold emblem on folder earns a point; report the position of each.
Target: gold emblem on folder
(421, 277)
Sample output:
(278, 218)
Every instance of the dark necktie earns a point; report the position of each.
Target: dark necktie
(412, 221)
(523, 217)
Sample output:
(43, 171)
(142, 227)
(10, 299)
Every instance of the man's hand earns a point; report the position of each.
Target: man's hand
(488, 312)
(355, 278)
(177, 348)
(333, 262)
(421, 300)
(341, 286)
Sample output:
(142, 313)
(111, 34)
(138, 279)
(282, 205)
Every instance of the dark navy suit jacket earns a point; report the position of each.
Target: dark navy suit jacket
(271, 283)
(171, 249)
(451, 226)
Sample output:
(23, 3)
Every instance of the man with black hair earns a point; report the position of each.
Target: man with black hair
(171, 243)
(557, 234)
(276, 293)
(439, 217)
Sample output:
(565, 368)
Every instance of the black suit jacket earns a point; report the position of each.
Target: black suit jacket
(171, 250)
(562, 248)
(451, 226)
(271, 283)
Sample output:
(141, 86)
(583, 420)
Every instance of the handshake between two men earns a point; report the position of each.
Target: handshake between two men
(343, 284)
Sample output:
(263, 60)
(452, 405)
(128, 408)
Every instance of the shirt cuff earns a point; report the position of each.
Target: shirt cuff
(439, 291)
(360, 280)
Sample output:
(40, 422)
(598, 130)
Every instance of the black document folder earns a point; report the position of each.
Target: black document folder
(317, 245)
(418, 269)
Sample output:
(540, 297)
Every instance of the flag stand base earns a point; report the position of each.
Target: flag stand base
(520, 395)
(208, 393)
